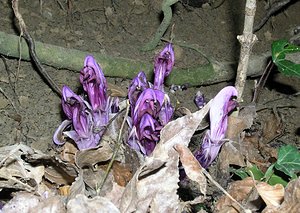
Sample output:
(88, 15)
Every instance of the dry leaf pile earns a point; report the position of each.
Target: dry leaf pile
(75, 180)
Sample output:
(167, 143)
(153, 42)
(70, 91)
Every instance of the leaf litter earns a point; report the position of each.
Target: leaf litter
(70, 181)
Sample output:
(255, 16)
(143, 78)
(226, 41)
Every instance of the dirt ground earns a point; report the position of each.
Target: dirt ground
(121, 28)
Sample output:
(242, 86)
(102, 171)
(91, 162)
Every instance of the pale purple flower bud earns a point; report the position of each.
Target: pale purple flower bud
(137, 85)
(70, 101)
(199, 100)
(149, 101)
(163, 66)
(94, 83)
(166, 111)
(221, 106)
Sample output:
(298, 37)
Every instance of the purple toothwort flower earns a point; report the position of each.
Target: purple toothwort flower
(94, 83)
(221, 106)
(163, 66)
(151, 109)
(86, 119)
(199, 100)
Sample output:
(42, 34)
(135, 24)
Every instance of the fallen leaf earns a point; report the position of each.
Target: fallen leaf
(90, 157)
(77, 187)
(272, 195)
(291, 197)
(68, 152)
(191, 167)
(122, 174)
(27, 202)
(240, 191)
(96, 204)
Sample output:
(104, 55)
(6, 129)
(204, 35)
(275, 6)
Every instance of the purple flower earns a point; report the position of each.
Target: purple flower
(70, 101)
(221, 106)
(163, 66)
(150, 106)
(136, 87)
(94, 83)
(199, 100)
(86, 119)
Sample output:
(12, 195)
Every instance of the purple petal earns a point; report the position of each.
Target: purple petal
(94, 83)
(82, 122)
(150, 101)
(199, 100)
(166, 111)
(136, 87)
(148, 128)
(58, 137)
(70, 101)
(208, 151)
(222, 104)
(163, 66)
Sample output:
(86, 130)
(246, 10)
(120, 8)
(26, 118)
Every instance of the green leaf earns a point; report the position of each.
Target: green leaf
(240, 172)
(269, 173)
(275, 179)
(279, 50)
(257, 173)
(288, 160)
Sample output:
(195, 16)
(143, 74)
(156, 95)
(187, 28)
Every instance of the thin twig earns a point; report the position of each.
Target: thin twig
(273, 9)
(223, 190)
(11, 102)
(247, 40)
(116, 149)
(31, 47)
(262, 81)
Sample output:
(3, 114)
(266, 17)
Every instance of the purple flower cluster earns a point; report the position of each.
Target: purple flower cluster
(86, 119)
(221, 106)
(150, 109)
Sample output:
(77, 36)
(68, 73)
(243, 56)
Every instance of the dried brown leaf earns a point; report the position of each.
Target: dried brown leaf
(90, 157)
(58, 176)
(15, 172)
(291, 197)
(97, 204)
(272, 195)
(27, 202)
(122, 173)
(77, 187)
(68, 152)
(240, 191)
(191, 167)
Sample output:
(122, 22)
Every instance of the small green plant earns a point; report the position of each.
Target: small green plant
(288, 162)
(279, 50)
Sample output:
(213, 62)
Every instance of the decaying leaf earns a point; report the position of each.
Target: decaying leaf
(68, 152)
(77, 186)
(291, 197)
(27, 202)
(237, 124)
(240, 191)
(90, 157)
(122, 174)
(154, 186)
(191, 167)
(97, 204)
(272, 195)
(15, 172)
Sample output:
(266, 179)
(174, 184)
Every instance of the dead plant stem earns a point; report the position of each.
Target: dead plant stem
(116, 149)
(25, 34)
(247, 41)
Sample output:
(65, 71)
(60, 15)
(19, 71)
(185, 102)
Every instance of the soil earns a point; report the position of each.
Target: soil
(30, 112)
